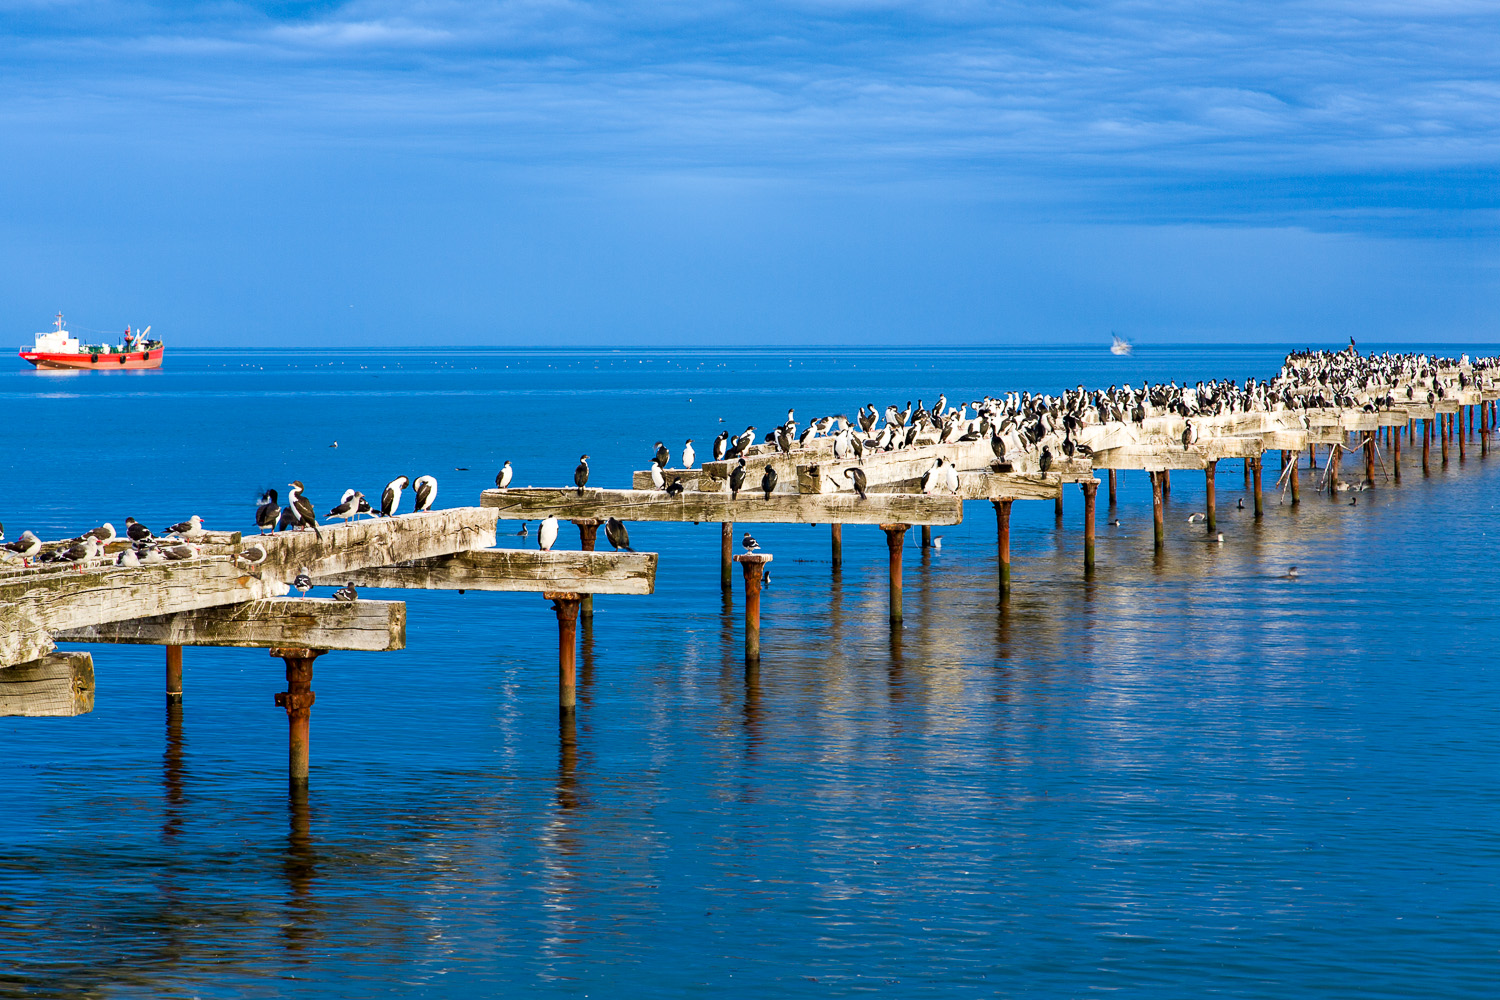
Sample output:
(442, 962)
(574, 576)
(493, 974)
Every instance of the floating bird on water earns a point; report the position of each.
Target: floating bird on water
(267, 511)
(937, 541)
(334, 445)
(346, 593)
(1115, 521)
(136, 531)
(768, 480)
(675, 490)
(688, 455)
(390, 497)
(503, 477)
(191, 526)
(1240, 504)
(1291, 574)
(1195, 518)
(1219, 538)
(547, 534)
(749, 542)
(426, 493)
(307, 514)
(857, 476)
(736, 480)
(302, 582)
(614, 530)
(581, 474)
(524, 530)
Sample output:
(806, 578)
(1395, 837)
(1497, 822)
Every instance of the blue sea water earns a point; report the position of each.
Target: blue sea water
(1188, 777)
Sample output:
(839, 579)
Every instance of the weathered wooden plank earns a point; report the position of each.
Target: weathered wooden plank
(993, 486)
(884, 466)
(61, 684)
(1155, 458)
(313, 623)
(514, 570)
(378, 541)
(750, 508)
(692, 479)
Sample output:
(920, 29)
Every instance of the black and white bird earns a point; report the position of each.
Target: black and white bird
(268, 511)
(768, 480)
(347, 507)
(390, 497)
(749, 542)
(302, 582)
(857, 477)
(425, 490)
(287, 519)
(581, 474)
(127, 557)
(136, 531)
(81, 551)
(688, 455)
(503, 477)
(662, 456)
(736, 480)
(675, 489)
(1189, 435)
(27, 546)
(346, 593)
(105, 532)
(252, 555)
(614, 530)
(546, 535)
(1045, 461)
(658, 481)
(182, 550)
(721, 446)
(525, 531)
(192, 526)
(307, 515)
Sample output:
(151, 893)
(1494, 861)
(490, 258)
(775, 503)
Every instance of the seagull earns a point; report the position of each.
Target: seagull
(302, 582)
(614, 530)
(151, 554)
(937, 541)
(252, 556)
(547, 534)
(426, 489)
(346, 508)
(675, 490)
(127, 557)
(581, 474)
(736, 480)
(346, 593)
(268, 511)
(26, 546)
(1195, 518)
(136, 531)
(105, 532)
(191, 526)
(503, 477)
(390, 498)
(857, 474)
(181, 550)
(768, 481)
(749, 542)
(688, 455)
(306, 513)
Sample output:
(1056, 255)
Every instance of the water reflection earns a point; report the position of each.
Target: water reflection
(300, 867)
(171, 775)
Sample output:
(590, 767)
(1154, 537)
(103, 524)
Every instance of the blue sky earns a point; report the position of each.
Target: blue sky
(738, 173)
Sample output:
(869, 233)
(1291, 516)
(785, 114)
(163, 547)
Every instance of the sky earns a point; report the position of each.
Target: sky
(717, 173)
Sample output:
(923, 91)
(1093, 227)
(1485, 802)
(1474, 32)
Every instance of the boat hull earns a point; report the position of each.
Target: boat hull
(111, 361)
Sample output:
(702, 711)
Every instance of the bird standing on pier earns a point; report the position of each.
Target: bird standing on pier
(302, 582)
(346, 508)
(1045, 461)
(749, 542)
(181, 550)
(1189, 435)
(254, 555)
(581, 474)
(503, 477)
(192, 526)
(426, 493)
(136, 531)
(307, 515)
(128, 558)
(268, 511)
(675, 490)
(663, 457)
(721, 446)
(688, 455)
(27, 546)
(546, 535)
(346, 593)
(857, 476)
(768, 480)
(736, 480)
(390, 497)
(287, 519)
(614, 530)
(657, 479)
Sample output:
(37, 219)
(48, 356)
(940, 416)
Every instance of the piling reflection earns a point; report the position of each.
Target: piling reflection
(172, 776)
(561, 853)
(300, 867)
(586, 660)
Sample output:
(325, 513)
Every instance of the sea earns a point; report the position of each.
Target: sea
(1187, 776)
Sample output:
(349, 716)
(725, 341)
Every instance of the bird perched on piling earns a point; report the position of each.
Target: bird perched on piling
(768, 480)
(390, 497)
(503, 477)
(688, 455)
(268, 511)
(857, 477)
(662, 456)
(136, 531)
(676, 488)
(302, 582)
(749, 542)
(346, 593)
(182, 550)
(546, 535)
(614, 530)
(27, 546)
(581, 474)
(346, 508)
(736, 480)
(426, 493)
(254, 555)
(192, 526)
(721, 446)
(657, 479)
(307, 515)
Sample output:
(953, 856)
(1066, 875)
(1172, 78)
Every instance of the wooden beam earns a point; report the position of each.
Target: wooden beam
(314, 623)
(993, 486)
(378, 541)
(750, 508)
(513, 570)
(61, 684)
(903, 463)
(692, 479)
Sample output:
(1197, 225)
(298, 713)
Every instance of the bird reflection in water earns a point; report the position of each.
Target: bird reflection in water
(300, 868)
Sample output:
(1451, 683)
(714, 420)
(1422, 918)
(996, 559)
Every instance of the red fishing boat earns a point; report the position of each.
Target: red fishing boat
(59, 349)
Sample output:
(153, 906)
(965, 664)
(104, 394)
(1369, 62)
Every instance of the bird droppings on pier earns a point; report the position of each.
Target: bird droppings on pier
(892, 467)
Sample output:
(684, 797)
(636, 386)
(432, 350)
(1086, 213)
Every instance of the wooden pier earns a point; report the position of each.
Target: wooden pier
(234, 591)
